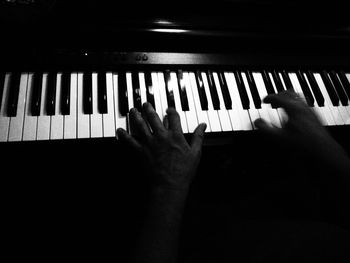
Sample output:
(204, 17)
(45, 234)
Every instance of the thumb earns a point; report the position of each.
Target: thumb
(198, 137)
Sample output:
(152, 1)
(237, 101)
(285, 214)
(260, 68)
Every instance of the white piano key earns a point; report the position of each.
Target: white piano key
(178, 107)
(334, 110)
(191, 115)
(70, 121)
(345, 108)
(272, 113)
(348, 107)
(44, 121)
(282, 81)
(109, 121)
(263, 111)
(344, 113)
(83, 127)
(16, 123)
(143, 90)
(4, 120)
(157, 101)
(223, 113)
(30, 121)
(323, 110)
(243, 114)
(316, 109)
(234, 113)
(95, 117)
(253, 112)
(281, 112)
(201, 114)
(120, 121)
(129, 90)
(162, 92)
(297, 88)
(57, 120)
(213, 114)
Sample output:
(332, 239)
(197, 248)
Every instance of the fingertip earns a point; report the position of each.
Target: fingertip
(203, 126)
(147, 106)
(268, 98)
(120, 133)
(262, 124)
(171, 110)
(259, 122)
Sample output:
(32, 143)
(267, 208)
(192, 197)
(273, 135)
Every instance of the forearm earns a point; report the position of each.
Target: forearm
(159, 239)
(336, 162)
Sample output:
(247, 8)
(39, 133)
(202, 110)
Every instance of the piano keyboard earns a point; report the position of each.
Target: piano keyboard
(74, 105)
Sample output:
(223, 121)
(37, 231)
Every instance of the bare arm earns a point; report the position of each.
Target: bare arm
(173, 163)
(304, 131)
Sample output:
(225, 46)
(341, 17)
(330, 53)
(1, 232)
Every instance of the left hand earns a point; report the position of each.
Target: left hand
(173, 161)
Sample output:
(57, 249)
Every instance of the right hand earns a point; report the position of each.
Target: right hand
(303, 129)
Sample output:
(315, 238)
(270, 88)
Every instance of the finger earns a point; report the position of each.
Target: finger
(267, 128)
(125, 137)
(152, 117)
(174, 120)
(166, 122)
(138, 125)
(288, 100)
(198, 137)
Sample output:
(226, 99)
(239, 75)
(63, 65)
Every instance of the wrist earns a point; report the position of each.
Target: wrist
(169, 192)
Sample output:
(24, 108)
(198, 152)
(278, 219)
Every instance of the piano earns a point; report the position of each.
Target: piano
(67, 73)
(71, 70)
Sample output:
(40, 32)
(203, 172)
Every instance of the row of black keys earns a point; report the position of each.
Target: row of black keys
(14, 83)
(336, 83)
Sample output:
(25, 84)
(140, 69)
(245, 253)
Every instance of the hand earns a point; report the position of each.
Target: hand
(303, 129)
(173, 162)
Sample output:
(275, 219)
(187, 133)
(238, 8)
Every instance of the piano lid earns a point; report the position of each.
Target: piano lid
(156, 25)
(209, 14)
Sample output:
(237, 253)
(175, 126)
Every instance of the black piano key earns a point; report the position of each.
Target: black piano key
(149, 88)
(213, 91)
(345, 82)
(102, 92)
(182, 91)
(2, 83)
(268, 83)
(315, 88)
(87, 93)
(225, 92)
(306, 89)
(339, 88)
(51, 93)
(242, 90)
(201, 91)
(123, 94)
(136, 91)
(36, 93)
(168, 89)
(287, 81)
(278, 81)
(65, 93)
(330, 88)
(14, 80)
(253, 90)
